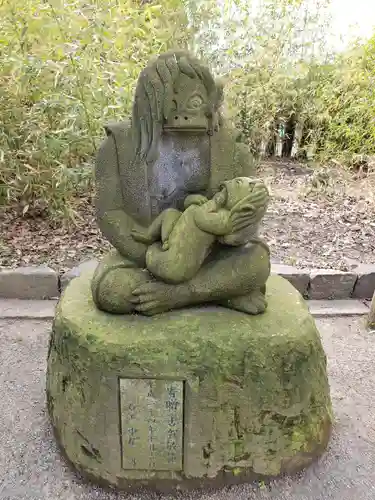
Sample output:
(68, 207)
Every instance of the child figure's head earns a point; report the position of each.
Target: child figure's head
(235, 191)
(247, 200)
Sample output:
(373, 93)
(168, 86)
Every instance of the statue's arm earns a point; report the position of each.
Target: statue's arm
(152, 233)
(115, 224)
(246, 217)
(216, 223)
(194, 199)
(159, 229)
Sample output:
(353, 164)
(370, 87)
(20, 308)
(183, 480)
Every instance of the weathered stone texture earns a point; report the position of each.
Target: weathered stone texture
(66, 278)
(152, 422)
(256, 394)
(365, 285)
(34, 282)
(177, 145)
(299, 278)
(331, 284)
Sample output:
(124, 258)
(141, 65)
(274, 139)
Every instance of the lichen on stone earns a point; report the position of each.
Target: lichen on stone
(257, 395)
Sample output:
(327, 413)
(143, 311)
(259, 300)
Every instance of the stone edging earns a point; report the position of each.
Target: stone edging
(42, 282)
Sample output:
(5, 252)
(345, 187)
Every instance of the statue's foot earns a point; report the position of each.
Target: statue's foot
(253, 303)
(157, 297)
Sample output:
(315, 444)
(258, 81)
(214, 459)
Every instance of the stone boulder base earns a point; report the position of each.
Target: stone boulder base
(192, 398)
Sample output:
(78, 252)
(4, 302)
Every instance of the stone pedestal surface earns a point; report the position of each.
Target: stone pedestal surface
(192, 398)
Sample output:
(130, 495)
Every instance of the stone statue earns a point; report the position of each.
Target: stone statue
(202, 396)
(174, 258)
(178, 153)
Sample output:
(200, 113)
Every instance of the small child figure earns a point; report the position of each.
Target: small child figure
(181, 241)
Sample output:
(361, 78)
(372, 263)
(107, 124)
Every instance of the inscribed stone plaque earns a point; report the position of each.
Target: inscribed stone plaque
(151, 424)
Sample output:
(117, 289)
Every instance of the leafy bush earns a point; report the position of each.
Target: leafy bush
(280, 68)
(348, 98)
(65, 70)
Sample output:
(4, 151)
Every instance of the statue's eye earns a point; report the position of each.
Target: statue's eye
(195, 102)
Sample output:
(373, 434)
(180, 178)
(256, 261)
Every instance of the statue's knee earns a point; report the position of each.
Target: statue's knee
(112, 291)
(164, 266)
(259, 261)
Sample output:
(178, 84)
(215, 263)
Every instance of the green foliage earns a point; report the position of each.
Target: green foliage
(348, 98)
(65, 70)
(276, 58)
(273, 61)
(281, 77)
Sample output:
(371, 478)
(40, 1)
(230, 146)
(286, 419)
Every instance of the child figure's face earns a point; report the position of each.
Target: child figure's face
(237, 189)
(220, 198)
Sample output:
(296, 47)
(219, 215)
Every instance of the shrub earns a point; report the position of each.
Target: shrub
(65, 70)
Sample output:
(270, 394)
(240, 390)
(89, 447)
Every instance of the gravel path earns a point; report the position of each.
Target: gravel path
(31, 468)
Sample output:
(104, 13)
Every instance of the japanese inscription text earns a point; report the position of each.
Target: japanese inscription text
(151, 424)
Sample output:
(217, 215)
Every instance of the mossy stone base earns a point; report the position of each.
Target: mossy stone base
(255, 398)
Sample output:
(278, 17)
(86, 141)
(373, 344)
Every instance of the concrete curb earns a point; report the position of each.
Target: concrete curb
(371, 316)
(329, 284)
(41, 282)
(15, 309)
(29, 283)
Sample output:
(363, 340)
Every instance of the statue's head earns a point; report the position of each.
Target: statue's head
(174, 94)
(236, 193)
(247, 200)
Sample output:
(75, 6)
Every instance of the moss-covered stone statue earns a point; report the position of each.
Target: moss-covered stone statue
(186, 239)
(202, 396)
(177, 152)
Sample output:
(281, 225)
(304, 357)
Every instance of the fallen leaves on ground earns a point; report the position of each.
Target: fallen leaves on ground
(313, 222)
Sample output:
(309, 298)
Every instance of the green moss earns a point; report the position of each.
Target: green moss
(257, 389)
(236, 471)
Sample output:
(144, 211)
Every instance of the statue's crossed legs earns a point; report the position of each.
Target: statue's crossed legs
(233, 277)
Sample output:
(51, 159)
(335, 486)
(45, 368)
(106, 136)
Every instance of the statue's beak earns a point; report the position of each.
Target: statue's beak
(186, 123)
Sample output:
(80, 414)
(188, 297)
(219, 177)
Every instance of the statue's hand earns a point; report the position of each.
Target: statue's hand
(194, 199)
(165, 246)
(238, 238)
(243, 228)
(245, 217)
(141, 237)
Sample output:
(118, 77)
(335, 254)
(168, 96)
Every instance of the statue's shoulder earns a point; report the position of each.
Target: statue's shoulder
(117, 144)
(231, 156)
(120, 131)
(114, 150)
(226, 140)
(228, 133)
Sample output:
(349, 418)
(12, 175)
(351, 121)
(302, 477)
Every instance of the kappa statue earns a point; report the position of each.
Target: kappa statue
(177, 153)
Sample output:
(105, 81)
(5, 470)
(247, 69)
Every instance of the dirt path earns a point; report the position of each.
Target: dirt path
(314, 220)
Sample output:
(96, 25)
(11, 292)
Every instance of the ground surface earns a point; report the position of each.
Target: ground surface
(31, 468)
(314, 220)
(323, 218)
